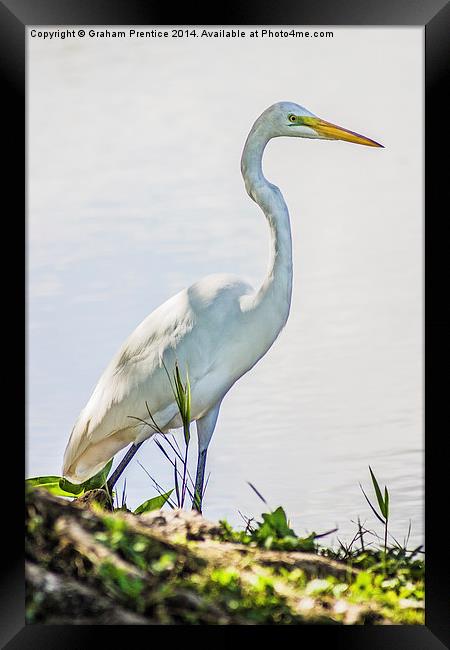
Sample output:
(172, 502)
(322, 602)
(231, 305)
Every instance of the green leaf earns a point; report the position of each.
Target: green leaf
(53, 485)
(275, 525)
(153, 504)
(183, 400)
(386, 502)
(279, 521)
(373, 509)
(380, 499)
(40, 481)
(60, 486)
(187, 414)
(61, 492)
(67, 486)
(99, 480)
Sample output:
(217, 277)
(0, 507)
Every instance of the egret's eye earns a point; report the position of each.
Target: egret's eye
(292, 118)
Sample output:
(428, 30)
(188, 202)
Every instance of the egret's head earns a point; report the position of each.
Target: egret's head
(292, 120)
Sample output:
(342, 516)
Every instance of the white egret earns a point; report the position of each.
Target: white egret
(218, 328)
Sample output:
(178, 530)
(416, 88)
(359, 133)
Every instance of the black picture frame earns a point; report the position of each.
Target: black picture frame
(434, 16)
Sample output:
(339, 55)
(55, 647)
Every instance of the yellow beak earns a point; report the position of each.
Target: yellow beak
(333, 132)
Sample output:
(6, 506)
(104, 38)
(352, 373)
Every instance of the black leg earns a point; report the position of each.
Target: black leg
(198, 492)
(121, 466)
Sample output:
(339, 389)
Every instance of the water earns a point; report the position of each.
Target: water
(134, 192)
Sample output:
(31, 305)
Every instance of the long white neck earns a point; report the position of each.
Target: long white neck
(275, 293)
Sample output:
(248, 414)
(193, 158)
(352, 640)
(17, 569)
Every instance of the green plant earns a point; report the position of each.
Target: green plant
(167, 444)
(62, 487)
(383, 504)
(273, 532)
(153, 504)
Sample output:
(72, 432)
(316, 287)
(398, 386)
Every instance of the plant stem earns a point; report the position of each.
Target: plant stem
(184, 483)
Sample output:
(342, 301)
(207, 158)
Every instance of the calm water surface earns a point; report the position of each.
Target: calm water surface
(135, 192)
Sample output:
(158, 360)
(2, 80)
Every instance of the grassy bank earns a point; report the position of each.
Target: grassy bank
(87, 564)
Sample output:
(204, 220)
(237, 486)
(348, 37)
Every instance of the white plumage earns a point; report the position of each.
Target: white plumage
(217, 329)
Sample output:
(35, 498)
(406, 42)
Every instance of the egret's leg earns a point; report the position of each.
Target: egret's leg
(205, 429)
(198, 492)
(121, 466)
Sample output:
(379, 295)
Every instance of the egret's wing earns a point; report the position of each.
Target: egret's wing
(133, 377)
(191, 329)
